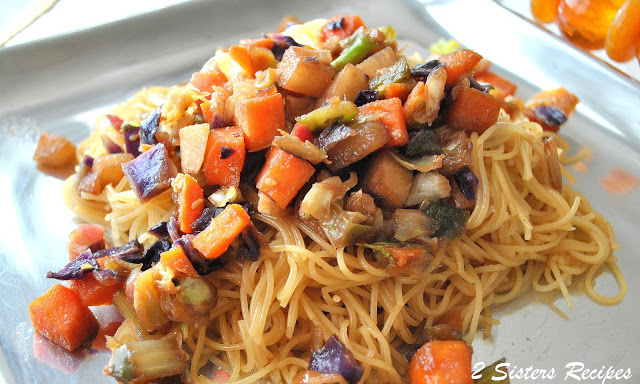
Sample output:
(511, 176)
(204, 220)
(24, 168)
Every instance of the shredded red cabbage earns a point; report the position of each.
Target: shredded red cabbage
(132, 139)
(334, 357)
(366, 96)
(468, 182)
(76, 269)
(424, 70)
(550, 115)
(109, 145)
(150, 173)
(281, 43)
(159, 230)
(149, 127)
(332, 136)
(87, 261)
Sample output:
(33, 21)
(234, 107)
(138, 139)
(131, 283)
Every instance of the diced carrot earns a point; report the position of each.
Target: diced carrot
(241, 56)
(340, 26)
(392, 116)
(61, 316)
(176, 259)
(224, 157)
(404, 255)
(453, 319)
(458, 63)
(261, 42)
(399, 90)
(260, 119)
(224, 228)
(473, 110)
(54, 151)
(193, 143)
(559, 98)
(84, 237)
(190, 200)
(503, 86)
(221, 376)
(283, 175)
(205, 81)
(302, 132)
(94, 293)
(441, 362)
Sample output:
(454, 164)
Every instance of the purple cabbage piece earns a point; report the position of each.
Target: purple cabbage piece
(334, 357)
(332, 136)
(204, 220)
(87, 261)
(132, 139)
(201, 264)
(88, 161)
(130, 252)
(365, 97)
(172, 229)
(468, 183)
(250, 246)
(159, 230)
(550, 115)
(149, 127)
(150, 173)
(425, 69)
(473, 83)
(76, 269)
(281, 43)
(336, 24)
(109, 145)
(217, 121)
(152, 255)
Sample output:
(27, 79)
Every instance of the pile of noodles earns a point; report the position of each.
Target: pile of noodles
(522, 234)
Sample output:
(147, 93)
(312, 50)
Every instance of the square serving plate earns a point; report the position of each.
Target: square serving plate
(63, 84)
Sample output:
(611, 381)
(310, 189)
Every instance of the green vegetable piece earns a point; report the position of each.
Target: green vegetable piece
(380, 251)
(425, 142)
(318, 119)
(358, 51)
(195, 292)
(449, 220)
(341, 231)
(489, 373)
(146, 360)
(120, 366)
(389, 33)
(398, 72)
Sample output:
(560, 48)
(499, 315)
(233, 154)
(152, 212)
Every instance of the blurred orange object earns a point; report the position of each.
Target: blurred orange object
(545, 11)
(638, 51)
(624, 32)
(586, 22)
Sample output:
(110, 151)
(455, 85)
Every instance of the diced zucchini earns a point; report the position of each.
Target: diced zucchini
(398, 72)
